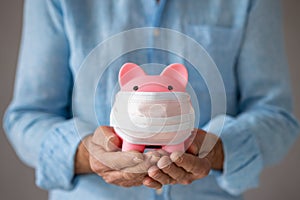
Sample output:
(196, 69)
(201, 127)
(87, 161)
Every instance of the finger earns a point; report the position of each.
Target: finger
(98, 167)
(156, 174)
(96, 161)
(106, 137)
(123, 179)
(151, 183)
(190, 163)
(150, 159)
(162, 152)
(111, 177)
(119, 160)
(190, 139)
(153, 156)
(177, 173)
(123, 176)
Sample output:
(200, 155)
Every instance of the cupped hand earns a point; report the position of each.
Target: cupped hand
(205, 152)
(106, 159)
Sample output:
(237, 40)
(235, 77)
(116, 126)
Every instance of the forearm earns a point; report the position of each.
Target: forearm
(46, 142)
(26, 130)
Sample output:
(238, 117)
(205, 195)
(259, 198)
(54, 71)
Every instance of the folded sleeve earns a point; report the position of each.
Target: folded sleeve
(39, 121)
(265, 128)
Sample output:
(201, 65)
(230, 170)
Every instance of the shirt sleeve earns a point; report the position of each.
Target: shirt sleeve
(265, 128)
(39, 121)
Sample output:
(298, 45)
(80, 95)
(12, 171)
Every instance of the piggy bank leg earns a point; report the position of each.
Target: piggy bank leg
(172, 148)
(126, 146)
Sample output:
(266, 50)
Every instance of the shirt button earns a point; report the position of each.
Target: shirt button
(156, 32)
(159, 191)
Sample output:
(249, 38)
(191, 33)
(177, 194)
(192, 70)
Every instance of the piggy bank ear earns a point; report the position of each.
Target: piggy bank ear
(176, 71)
(129, 71)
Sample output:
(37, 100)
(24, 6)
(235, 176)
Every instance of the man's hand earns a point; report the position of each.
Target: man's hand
(100, 153)
(184, 168)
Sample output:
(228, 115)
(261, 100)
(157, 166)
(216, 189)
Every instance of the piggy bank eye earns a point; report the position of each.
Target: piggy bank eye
(135, 88)
(170, 87)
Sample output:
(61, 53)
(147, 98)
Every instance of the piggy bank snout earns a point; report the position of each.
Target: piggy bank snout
(153, 88)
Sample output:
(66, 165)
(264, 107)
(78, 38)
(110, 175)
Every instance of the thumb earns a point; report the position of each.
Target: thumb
(195, 141)
(106, 137)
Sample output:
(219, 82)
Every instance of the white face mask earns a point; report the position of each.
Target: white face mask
(153, 118)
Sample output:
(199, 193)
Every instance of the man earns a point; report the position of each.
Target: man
(244, 38)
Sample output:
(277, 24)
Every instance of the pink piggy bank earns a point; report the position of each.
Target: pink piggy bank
(153, 110)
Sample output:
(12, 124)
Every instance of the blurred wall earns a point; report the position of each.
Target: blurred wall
(17, 180)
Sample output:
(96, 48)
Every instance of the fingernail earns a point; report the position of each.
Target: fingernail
(176, 157)
(164, 165)
(152, 169)
(164, 162)
(147, 182)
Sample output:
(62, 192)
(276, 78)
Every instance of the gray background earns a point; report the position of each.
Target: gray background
(17, 180)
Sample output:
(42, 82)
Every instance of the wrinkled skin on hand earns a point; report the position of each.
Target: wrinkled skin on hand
(116, 167)
(152, 169)
(184, 168)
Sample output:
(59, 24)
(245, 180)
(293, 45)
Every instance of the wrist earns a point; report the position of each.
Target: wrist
(82, 163)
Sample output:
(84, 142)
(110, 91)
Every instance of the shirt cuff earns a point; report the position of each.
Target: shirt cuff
(55, 168)
(242, 158)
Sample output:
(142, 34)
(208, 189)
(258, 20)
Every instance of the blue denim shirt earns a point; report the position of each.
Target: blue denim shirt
(244, 37)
